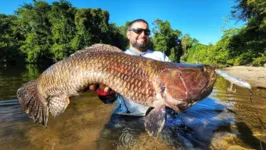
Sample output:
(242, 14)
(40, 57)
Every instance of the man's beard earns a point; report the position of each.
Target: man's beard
(141, 47)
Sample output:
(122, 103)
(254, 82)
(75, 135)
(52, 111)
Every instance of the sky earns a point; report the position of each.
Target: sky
(201, 19)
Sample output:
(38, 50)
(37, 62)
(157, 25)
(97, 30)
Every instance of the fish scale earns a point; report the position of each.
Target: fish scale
(129, 78)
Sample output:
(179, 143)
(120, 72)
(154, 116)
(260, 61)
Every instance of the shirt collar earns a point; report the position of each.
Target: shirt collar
(136, 53)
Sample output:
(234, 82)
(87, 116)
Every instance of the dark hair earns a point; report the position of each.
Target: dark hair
(137, 20)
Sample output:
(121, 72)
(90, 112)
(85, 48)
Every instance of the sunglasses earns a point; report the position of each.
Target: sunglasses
(140, 30)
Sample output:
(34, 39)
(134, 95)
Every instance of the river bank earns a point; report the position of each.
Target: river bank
(256, 76)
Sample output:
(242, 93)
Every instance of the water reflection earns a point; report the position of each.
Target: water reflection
(222, 121)
(192, 129)
(13, 77)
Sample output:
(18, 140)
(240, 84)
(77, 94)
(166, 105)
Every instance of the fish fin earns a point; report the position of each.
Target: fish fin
(58, 104)
(103, 48)
(32, 104)
(98, 48)
(154, 121)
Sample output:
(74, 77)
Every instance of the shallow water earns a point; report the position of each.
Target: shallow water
(224, 120)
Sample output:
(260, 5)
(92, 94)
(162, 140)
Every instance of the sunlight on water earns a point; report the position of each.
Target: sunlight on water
(224, 120)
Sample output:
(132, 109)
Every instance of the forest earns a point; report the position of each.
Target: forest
(43, 33)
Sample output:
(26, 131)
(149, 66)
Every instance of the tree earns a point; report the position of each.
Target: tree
(187, 42)
(166, 39)
(52, 32)
(117, 36)
(8, 41)
(237, 46)
(92, 27)
(251, 39)
(34, 25)
(63, 29)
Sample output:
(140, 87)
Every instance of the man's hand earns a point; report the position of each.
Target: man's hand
(106, 94)
(103, 87)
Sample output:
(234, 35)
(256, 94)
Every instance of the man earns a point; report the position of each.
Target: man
(138, 34)
(123, 131)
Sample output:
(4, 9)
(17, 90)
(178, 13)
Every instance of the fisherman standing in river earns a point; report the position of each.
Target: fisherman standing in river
(138, 34)
(126, 124)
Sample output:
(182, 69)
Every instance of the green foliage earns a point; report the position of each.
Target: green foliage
(8, 41)
(117, 36)
(244, 46)
(199, 53)
(42, 32)
(243, 59)
(251, 40)
(166, 39)
(92, 27)
(50, 32)
(63, 29)
(259, 61)
(33, 24)
(187, 42)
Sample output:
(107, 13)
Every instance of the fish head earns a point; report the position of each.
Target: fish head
(183, 84)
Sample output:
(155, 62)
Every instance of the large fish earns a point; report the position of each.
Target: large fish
(149, 82)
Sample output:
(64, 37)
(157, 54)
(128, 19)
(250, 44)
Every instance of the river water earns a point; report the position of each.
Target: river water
(224, 120)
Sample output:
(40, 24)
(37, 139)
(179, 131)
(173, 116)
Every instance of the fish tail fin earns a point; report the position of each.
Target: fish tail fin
(31, 103)
(154, 120)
